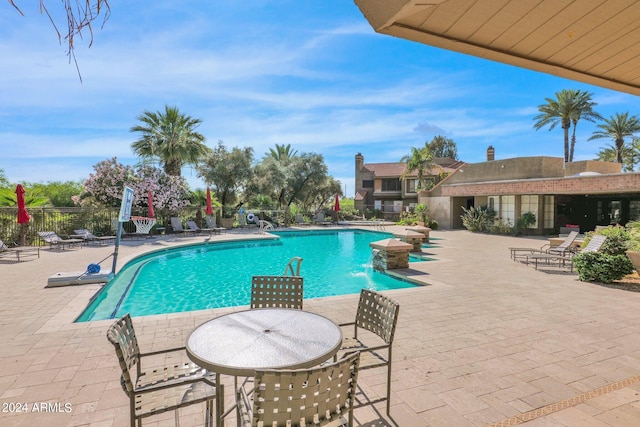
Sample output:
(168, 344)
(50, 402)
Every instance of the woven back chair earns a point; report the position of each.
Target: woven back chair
(277, 292)
(311, 397)
(377, 314)
(163, 389)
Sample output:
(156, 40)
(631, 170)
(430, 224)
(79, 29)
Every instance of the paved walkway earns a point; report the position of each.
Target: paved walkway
(489, 342)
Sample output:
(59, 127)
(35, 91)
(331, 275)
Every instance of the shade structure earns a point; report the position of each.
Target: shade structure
(336, 205)
(23, 215)
(150, 213)
(209, 210)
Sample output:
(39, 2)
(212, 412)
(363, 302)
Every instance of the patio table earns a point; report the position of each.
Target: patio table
(240, 343)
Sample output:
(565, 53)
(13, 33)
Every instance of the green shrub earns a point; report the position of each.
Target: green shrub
(433, 224)
(477, 219)
(602, 267)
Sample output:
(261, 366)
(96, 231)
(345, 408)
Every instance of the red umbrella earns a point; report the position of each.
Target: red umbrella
(23, 215)
(336, 206)
(150, 212)
(209, 210)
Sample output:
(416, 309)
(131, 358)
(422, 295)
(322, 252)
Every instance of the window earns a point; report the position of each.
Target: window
(634, 210)
(508, 209)
(367, 183)
(549, 220)
(530, 204)
(411, 185)
(391, 184)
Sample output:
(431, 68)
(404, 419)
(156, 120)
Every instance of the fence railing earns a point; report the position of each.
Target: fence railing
(100, 221)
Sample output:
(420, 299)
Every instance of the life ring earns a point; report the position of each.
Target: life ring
(251, 217)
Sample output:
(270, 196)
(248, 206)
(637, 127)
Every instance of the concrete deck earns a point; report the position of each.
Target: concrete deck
(488, 342)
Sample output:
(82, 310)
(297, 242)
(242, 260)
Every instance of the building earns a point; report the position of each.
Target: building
(385, 187)
(586, 193)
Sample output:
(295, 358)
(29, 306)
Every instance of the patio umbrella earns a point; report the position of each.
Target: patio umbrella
(336, 206)
(209, 210)
(150, 212)
(23, 215)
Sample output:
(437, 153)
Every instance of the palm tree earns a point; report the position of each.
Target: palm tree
(569, 106)
(282, 152)
(169, 137)
(617, 128)
(583, 108)
(419, 160)
(629, 156)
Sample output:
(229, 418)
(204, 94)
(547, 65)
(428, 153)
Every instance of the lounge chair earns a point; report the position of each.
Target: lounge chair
(277, 292)
(163, 388)
(88, 236)
(318, 396)
(176, 225)
(320, 219)
(56, 241)
(562, 249)
(594, 245)
(194, 227)
(18, 251)
(211, 224)
(300, 220)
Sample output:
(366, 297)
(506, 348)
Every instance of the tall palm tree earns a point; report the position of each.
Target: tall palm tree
(617, 128)
(171, 138)
(419, 160)
(582, 108)
(569, 107)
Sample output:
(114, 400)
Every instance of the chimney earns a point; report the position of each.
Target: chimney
(491, 153)
(359, 162)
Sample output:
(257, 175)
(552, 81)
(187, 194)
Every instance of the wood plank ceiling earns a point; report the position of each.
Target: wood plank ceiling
(593, 41)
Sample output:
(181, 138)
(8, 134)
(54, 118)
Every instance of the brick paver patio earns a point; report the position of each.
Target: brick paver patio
(489, 341)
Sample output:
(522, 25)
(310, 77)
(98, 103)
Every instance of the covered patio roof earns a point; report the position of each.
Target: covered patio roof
(592, 41)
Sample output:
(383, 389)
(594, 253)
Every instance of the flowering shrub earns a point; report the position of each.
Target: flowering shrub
(104, 187)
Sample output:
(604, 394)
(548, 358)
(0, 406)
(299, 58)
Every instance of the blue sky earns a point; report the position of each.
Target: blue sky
(312, 74)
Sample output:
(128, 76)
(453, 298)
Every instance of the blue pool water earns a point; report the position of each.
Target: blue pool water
(197, 277)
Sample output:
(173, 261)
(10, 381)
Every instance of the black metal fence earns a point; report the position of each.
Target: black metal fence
(100, 221)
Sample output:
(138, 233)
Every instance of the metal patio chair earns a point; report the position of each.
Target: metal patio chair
(377, 314)
(312, 397)
(165, 388)
(277, 292)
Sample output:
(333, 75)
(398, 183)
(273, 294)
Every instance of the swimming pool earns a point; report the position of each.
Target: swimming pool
(215, 275)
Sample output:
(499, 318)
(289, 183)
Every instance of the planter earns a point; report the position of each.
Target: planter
(635, 259)
(226, 222)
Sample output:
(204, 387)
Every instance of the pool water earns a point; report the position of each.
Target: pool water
(202, 276)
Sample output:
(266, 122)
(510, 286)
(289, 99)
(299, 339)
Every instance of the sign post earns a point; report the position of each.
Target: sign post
(124, 216)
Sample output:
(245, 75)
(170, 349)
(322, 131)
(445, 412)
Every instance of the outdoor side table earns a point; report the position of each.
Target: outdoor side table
(240, 343)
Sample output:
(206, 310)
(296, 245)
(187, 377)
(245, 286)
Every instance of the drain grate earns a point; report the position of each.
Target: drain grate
(564, 404)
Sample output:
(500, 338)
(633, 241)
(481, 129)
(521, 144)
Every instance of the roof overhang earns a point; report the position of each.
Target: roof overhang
(592, 41)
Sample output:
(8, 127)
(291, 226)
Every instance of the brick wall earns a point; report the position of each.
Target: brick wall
(597, 184)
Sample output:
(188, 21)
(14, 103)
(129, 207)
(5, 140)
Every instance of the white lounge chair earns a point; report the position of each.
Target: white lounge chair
(176, 225)
(56, 241)
(90, 237)
(18, 251)
(211, 224)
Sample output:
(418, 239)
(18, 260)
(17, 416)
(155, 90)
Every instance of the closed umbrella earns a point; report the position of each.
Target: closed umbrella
(23, 215)
(150, 212)
(336, 205)
(209, 210)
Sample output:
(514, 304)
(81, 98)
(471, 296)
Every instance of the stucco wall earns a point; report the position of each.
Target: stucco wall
(439, 209)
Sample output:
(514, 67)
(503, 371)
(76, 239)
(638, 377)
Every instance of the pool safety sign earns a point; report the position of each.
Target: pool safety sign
(127, 202)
